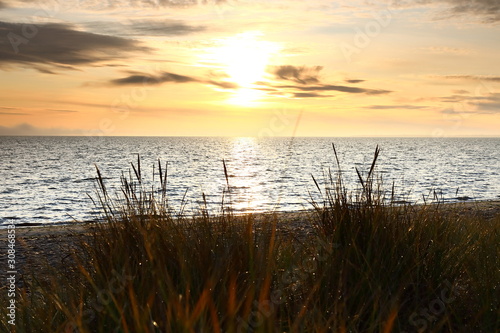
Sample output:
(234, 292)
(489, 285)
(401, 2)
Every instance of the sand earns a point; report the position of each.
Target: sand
(54, 244)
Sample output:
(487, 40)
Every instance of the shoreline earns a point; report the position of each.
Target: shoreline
(488, 207)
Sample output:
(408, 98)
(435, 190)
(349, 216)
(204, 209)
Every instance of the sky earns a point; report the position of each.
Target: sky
(250, 68)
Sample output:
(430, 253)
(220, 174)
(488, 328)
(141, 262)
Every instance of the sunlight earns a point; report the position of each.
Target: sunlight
(244, 58)
(246, 97)
(245, 184)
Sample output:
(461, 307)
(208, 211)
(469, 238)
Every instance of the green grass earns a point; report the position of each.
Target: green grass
(368, 266)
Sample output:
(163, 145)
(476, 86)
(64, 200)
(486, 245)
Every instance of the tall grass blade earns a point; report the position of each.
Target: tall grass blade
(317, 185)
(137, 176)
(360, 179)
(139, 167)
(161, 174)
(336, 156)
(101, 182)
(225, 173)
(374, 162)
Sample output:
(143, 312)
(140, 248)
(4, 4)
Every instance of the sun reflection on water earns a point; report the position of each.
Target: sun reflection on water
(247, 176)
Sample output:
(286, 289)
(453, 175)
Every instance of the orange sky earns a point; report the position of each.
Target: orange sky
(250, 68)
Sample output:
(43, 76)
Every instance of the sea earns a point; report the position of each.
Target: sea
(52, 180)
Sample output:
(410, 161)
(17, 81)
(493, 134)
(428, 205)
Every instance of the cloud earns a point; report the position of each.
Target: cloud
(59, 46)
(346, 89)
(30, 111)
(309, 95)
(166, 77)
(110, 5)
(163, 28)
(487, 104)
(14, 113)
(457, 98)
(488, 10)
(485, 109)
(471, 77)
(302, 75)
(157, 3)
(9, 111)
(354, 81)
(145, 28)
(308, 84)
(61, 111)
(392, 107)
(223, 84)
(146, 79)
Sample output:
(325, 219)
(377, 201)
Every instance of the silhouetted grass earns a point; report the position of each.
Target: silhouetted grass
(369, 266)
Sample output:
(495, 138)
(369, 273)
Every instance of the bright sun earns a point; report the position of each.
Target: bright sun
(244, 59)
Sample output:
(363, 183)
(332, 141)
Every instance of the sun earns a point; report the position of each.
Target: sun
(244, 58)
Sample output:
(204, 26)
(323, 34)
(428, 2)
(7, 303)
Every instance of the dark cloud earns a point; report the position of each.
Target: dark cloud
(472, 77)
(61, 111)
(59, 46)
(488, 108)
(487, 104)
(223, 84)
(308, 84)
(120, 4)
(309, 95)
(144, 28)
(15, 113)
(346, 89)
(473, 99)
(166, 77)
(354, 81)
(146, 79)
(163, 28)
(6, 110)
(302, 75)
(3, 5)
(488, 10)
(391, 107)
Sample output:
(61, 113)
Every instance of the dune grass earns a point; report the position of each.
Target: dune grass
(368, 266)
